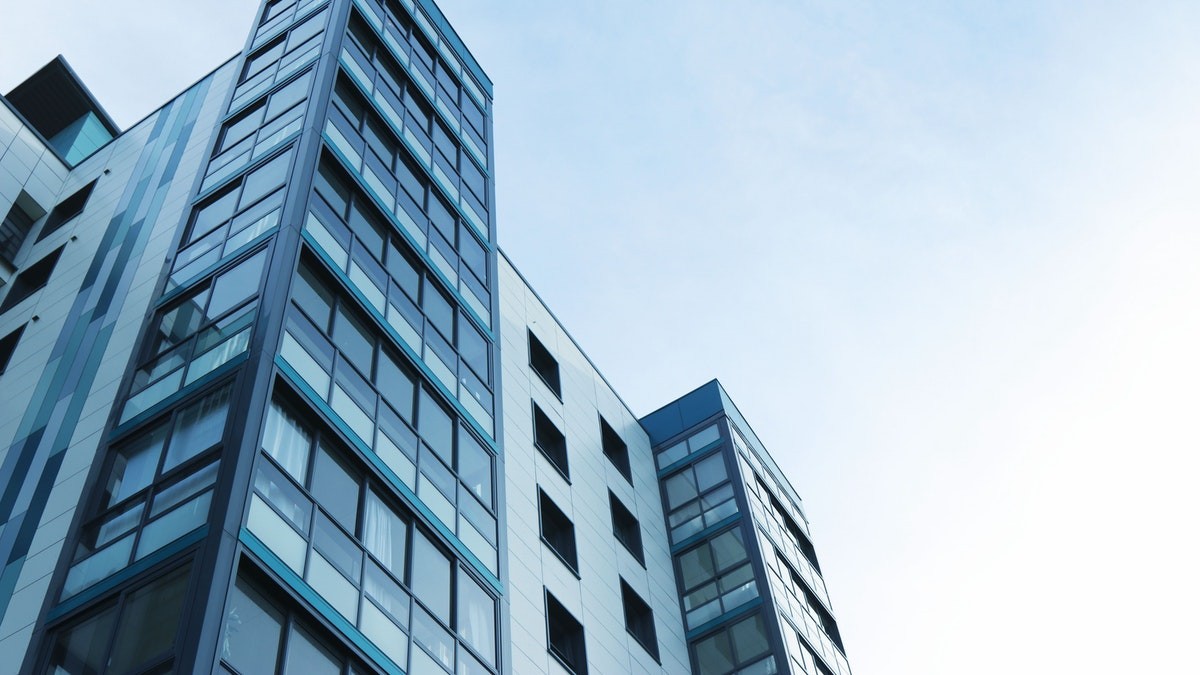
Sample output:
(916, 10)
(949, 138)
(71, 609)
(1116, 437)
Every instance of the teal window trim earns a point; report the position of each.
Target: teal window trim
(283, 147)
(696, 456)
(117, 578)
(416, 158)
(273, 563)
(186, 390)
(207, 271)
(297, 18)
(385, 327)
(411, 499)
(424, 255)
(403, 61)
(707, 532)
(728, 617)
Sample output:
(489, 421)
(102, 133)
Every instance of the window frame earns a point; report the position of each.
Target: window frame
(623, 520)
(574, 663)
(643, 629)
(538, 351)
(563, 532)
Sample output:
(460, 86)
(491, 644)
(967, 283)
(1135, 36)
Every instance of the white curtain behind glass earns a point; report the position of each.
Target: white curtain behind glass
(287, 442)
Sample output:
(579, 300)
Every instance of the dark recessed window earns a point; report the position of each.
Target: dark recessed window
(66, 210)
(17, 225)
(558, 532)
(565, 635)
(626, 528)
(639, 619)
(615, 449)
(544, 364)
(31, 280)
(550, 441)
(8, 345)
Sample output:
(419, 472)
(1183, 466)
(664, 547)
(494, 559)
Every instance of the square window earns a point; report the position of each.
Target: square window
(615, 449)
(565, 636)
(550, 441)
(8, 345)
(626, 528)
(31, 280)
(544, 364)
(66, 210)
(639, 619)
(558, 532)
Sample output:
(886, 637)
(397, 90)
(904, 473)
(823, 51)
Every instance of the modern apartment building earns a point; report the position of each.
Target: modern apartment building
(272, 399)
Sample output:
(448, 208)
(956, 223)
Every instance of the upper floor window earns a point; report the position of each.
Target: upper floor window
(31, 280)
(66, 210)
(639, 619)
(544, 364)
(550, 441)
(615, 449)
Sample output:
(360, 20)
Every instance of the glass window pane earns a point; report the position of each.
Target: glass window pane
(715, 655)
(213, 214)
(352, 339)
(304, 655)
(236, 285)
(476, 616)
(438, 309)
(80, 650)
(287, 441)
(750, 638)
(710, 471)
(431, 576)
(396, 383)
(696, 566)
(473, 349)
(313, 297)
(435, 427)
(336, 489)
(265, 179)
(728, 548)
(680, 488)
(134, 465)
(385, 534)
(475, 466)
(149, 622)
(200, 427)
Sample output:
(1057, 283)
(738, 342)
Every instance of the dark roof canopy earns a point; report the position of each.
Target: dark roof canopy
(54, 97)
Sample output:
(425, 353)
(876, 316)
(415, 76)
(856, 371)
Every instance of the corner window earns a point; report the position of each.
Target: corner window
(742, 644)
(565, 636)
(639, 619)
(716, 577)
(157, 488)
(615, 449)
(626, 528)
(550, 441)
(66, 210)
(558, 532)
(137, 634)
(31, 280)
(544, 364)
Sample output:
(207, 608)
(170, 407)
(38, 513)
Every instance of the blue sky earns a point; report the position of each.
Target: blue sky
(942, 254)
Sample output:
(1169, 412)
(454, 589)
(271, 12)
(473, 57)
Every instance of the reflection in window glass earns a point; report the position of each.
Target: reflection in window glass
(476, 616)
(336, 489)
(304, 655)
(431, 576)
(81, 648)
(385, 534)
(252, 631)
(134, 465)
(149, 622)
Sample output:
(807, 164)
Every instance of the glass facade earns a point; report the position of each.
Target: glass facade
(307, 464)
